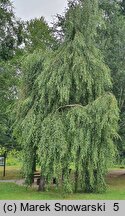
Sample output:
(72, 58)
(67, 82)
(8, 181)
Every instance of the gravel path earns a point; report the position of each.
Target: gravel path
(19, 182)
(116, 173)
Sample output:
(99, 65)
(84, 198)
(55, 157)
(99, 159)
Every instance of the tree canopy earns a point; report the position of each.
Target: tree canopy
(8, 46)
(112, 40)
(17, 39)
(68, 117)
(39, 35)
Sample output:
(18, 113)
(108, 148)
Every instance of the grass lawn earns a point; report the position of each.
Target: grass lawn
(11, 191)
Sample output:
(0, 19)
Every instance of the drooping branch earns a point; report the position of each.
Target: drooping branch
(61, 108)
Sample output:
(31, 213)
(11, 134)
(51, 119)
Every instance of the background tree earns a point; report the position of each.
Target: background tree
(10, 31)
(112, 44)
(10, 39)
(6, 30)
(8, 85)
(122, 4)
(67, 111)
(39, 35)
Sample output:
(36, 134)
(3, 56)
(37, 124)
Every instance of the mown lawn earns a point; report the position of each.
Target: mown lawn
(11, 191)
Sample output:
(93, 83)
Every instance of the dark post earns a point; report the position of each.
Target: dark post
(4, 170)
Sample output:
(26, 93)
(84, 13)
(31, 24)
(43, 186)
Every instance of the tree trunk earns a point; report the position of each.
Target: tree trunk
(41, 184)
(76, 180)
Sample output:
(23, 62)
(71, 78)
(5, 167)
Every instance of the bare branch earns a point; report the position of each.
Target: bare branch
(69, 106)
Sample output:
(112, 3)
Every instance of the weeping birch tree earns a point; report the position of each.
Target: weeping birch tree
(75, 121)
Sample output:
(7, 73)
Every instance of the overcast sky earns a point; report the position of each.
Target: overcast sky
(29, 9)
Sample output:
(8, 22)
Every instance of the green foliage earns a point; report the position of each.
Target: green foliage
(39, 35)
(122, 4)
(112, 40)
(2, 150)
(9, 68)
(6, 30)
(66, 115)
(8, 84)
(9, 31)
(25, 127)
(82, 136)
(14, 33)
(14, 158)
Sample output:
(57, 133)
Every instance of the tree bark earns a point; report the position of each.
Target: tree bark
(41, 184)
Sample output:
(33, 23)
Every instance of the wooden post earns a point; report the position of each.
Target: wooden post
(4, 169)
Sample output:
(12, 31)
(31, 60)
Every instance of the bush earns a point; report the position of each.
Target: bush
(14, 158)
